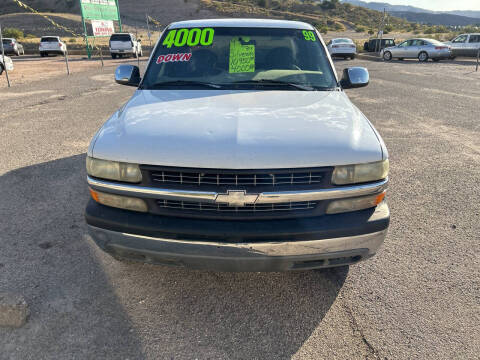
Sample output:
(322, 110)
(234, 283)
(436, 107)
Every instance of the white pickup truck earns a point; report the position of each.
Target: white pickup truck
(239, 151)
(123, 44)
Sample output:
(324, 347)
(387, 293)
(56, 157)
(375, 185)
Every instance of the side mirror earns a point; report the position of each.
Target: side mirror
(127, 75)
(355, 77)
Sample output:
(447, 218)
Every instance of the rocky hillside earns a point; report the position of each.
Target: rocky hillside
(331, 15)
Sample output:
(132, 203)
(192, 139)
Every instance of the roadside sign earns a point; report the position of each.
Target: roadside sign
(103, 28)
(99, 9)
(102, 14)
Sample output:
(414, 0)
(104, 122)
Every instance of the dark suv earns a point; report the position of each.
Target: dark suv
(377, 44)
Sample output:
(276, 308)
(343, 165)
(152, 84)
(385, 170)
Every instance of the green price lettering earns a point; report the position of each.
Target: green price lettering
(190, 37)
(309, 35)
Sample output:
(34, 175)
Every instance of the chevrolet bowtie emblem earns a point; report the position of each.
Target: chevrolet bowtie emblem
(236, 198)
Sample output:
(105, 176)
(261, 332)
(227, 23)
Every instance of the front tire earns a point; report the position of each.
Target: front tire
(1, 69)
(387, 56)
(352, 57)
(423, 56)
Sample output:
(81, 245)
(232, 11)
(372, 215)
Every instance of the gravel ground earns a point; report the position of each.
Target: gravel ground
(418, 298)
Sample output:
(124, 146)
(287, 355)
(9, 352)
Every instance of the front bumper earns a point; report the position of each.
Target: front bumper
(122, 51)
(263, 245)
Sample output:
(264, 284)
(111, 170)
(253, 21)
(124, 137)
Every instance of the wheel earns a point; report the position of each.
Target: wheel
(387, 56)
(352, 57)
(114, 56)
(42, 54)
(452, 57)
(423, 56)
(1, 69)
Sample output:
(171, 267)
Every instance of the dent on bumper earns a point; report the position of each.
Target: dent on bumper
(263, 256)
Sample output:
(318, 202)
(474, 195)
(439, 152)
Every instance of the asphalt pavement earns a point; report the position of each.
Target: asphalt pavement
(418, 298)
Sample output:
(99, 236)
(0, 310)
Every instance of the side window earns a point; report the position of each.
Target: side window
(474, 39)
(460, 39)
(403, 44)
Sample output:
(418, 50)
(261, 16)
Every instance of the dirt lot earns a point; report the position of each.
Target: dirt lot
(418, 298)
(34, 68)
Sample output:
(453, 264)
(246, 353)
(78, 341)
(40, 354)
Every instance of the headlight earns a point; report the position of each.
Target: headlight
(355, 204)
(352, 174)
(112, 170)
(118, 201)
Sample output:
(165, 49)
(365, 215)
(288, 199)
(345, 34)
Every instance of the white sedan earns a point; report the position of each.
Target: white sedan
(342, 47)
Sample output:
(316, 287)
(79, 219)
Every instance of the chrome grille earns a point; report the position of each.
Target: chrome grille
(240, 179)
(254, 208)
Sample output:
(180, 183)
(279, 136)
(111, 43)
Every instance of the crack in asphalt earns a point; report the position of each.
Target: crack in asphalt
(359, 332)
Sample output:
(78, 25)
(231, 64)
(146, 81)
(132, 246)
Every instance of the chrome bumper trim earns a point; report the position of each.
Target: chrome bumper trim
(263, 198)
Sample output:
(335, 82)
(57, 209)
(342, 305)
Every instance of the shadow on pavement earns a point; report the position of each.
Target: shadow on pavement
(84, 304)
(44, 256)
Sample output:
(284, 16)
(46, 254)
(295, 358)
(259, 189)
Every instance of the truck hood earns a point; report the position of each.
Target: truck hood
(238, 130)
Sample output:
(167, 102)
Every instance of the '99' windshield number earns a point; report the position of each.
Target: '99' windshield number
(309, 35)
(189, 37)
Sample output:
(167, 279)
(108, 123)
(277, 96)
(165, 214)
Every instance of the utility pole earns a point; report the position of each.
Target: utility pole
(378, 42)
(148, 29)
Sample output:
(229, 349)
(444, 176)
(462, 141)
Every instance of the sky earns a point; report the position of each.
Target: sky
(437, 5)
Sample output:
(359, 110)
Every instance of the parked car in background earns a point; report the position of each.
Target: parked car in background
(422, 49)
(52, 45)
(5, 62)
(465, 45)
(377, 44)
(125, 44)
(342, 47)
(239, 151)
(13, 47)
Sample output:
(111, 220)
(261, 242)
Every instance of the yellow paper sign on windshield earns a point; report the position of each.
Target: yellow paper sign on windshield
(242, 57)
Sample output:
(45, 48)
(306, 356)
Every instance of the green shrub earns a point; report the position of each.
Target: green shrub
(360, 29)
(12, 33)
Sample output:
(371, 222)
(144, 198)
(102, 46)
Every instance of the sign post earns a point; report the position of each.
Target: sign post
(106, 11)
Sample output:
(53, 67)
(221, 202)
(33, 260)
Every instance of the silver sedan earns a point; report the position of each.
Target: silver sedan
(422, 49)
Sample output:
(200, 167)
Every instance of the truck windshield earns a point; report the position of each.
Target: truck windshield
(240, 58)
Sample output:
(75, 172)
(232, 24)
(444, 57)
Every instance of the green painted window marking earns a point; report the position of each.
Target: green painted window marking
(242, 57)
(181, 38)
(194, 37)
(309, 35)
(207, 37)
(190, 37)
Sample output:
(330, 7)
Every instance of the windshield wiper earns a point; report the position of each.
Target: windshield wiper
(185, 83)
(275, 82)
